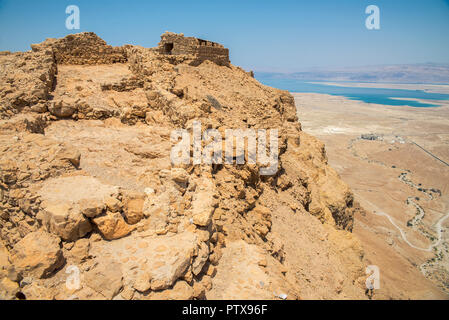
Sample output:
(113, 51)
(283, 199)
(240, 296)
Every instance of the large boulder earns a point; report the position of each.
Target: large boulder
(37, 255)
(63, 108)
(64, 221)
(69, 202)
(154, 263)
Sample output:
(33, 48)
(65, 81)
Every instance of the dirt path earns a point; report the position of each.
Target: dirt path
(438, 227)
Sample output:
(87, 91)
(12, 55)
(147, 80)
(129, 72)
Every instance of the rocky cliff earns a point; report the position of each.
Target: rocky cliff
(91, 206)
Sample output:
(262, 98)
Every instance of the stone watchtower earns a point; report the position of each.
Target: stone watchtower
(176, 44)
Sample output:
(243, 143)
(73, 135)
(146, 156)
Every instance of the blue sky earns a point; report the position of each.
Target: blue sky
(262, 35)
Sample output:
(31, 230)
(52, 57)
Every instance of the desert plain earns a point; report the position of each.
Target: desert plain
(395, 159)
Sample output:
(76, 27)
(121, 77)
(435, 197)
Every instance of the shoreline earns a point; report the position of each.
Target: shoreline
(429, 88)
(441, 103)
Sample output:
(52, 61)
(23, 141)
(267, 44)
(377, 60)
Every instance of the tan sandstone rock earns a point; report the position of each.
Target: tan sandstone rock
(180, 291)
(37, 255)
(133, 206)
(112, 226)
(105, 278)
(203, 204)
(8, 289)
(64, 221)
(68, 203)
(63, 108)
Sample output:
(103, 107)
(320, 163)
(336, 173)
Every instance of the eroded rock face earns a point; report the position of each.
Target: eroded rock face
(86, 178)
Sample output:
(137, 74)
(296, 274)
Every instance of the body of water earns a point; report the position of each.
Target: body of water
(368, 95)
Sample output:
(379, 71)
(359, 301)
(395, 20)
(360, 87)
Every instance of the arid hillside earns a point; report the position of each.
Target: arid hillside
(92, 207)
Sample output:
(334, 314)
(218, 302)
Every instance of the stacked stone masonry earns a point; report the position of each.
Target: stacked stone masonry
(177, 44)
(81, 49)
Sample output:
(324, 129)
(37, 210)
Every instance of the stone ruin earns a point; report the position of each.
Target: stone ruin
(89, 49)
(82, 49)
(176, 44)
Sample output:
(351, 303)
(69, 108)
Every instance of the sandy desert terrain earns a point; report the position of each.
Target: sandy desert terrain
(395, 159)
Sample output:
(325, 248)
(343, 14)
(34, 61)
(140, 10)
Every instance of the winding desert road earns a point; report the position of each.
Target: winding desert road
(438, 227)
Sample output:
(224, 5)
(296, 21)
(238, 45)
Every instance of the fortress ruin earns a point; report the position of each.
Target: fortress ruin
(89, 49)
(176, 44)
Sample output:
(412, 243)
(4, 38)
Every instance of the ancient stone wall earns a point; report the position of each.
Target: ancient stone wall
(26, 79)
(82, 48)
(177, 44)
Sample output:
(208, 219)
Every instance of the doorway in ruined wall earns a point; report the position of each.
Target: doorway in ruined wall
(168, 48)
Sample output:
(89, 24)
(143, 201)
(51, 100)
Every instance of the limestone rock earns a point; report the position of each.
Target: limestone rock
(201, 258)
(133, 206)
(180, 291)
(143, 282)
(7, 269)
(239, 276)
(64, 221)
(158, 220)
(105, 278)
(113, 204)
(32, 123)
(63, 108)
(69, 153)
(156, 261)
(80, 250)
(179, 175)
(39, 108)
(203, 204)
(8, 289)
(260, 217)
(38, 254)
(112, 226)
(92, 207)
(68, 203)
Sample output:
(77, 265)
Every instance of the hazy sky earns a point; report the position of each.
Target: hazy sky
(276, 35)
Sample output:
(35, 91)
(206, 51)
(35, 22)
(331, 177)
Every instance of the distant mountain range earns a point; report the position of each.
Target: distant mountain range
(400, 73)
